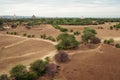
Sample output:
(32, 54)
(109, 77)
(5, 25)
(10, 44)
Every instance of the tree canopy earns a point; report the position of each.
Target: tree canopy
(67, 41)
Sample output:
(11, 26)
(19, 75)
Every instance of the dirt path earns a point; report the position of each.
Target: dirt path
(98, 49)
(14, 44)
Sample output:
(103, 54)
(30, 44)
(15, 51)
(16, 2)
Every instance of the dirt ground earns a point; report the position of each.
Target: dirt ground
(101, 33)
(101, 62)
(15, 50)
(93, 65)
(35, 30)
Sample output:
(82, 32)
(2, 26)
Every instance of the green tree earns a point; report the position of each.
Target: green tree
(39, 67)
(67, 41)
(88, 33)
(19, 72)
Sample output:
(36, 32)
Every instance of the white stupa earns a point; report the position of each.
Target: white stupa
(82, 17)
(14, 17)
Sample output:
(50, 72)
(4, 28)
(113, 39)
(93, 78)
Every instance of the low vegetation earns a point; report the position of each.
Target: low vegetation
(117, 45)
(76, 33)
(47, 38)
(61, 57)
(12, 33)
(59, 28)
(109, 41)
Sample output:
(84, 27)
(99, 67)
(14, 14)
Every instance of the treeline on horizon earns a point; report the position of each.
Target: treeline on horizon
(62, 21)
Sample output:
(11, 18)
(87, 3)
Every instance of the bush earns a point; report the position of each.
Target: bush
(13, 26)
(32, 36)
(51, 70)
(32, 76)
(29, 36)
(71, 30)
(60, 28)
(61, 57)
(67, 41)
(117, 45)
(7, 32)
(51, 38)
(77, 33)
(19, 72)
(111, 28)
(43, 36)
(15, 33)
(25, 34)
(106, 41)
(39, 67)
(4, 77)
(95, 40)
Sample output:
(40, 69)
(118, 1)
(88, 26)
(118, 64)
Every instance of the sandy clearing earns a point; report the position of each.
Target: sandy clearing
(95, 66)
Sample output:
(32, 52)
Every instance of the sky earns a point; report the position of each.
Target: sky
(61, 8)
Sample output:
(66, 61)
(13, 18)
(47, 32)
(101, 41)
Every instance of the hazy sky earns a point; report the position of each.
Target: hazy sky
(61, 8)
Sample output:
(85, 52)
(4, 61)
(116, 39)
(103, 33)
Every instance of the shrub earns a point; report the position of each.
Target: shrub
(117, 45)
(51, 70)
(51, 38)
(15, 33)
(61, 57)
(19, 72)
(7, 32)
(39, 67)
(13, 26)
(111, 28)
(29, 36)
(71, 30)
(25, 34)
(111, 40)
(77, 33)
(106, 41)
(95, 40)
(4, 77)
(32, 76)
(32, 36)
(43, 36)
(60, 28)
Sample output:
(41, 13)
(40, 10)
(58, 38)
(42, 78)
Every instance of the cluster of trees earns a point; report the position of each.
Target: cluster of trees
(66, 41)
(37, 69)
(89, 36)
(62, 21)
(60, 28)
